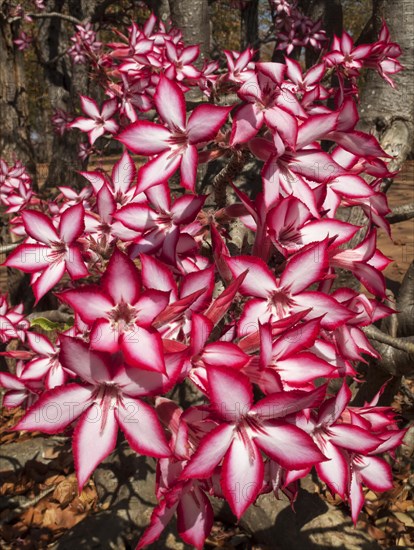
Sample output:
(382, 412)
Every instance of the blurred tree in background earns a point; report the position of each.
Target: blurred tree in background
(42, 79)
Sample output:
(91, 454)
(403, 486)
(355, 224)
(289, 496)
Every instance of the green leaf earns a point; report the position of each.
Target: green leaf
(44, 324)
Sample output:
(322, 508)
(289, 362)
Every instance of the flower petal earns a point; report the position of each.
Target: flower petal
(74, 263)
(332, 408)
(186, 208)
(143, 349)
(353, 438)
(141, 427)
(104, 336)
(145, 382)
(281, 404)
(39, 343)
(195, 517)
(151, 303)
(305, 268)
(247, 121)
(224, 354)
(160, 517)
(145, 138)
(139, 217)
(335, 471)
(375, 473)
(170, 103)
(242, 475)
(334, 314)
(89, 107)
(123, 173)
(93, 440)
(36, 369)
(56, 409)
(121, 280)
(211, 450)
(189, 163)
(205, 122)
(156, 274)
(48, 279)
(89, 302)
(288, 445)
(157, 170)
(39, 226)
(315, 128)
(76, 356)
(230, 393)
(259, 281)
(72, 224)
(29, 258)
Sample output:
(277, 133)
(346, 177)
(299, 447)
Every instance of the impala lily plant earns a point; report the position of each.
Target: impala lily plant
(161, 293)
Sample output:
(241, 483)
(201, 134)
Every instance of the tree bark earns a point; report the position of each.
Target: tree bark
(388, 112)
(401, 213)
(160, 8)
(249, 28)
(330, 11)
(405, 304)
(192, 18)
(64, 82)
(15, 142)
(67, 81)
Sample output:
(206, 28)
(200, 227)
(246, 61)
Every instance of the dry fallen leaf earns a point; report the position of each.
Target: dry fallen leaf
(50, 452)
(66, 491)
(406, 519)
(376, 533)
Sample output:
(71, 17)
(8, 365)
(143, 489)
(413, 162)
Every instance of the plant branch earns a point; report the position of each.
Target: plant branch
(226, 175)
(401, 213)
(386, 184)
(53, 315)
(4, 248)
(402, 344)
(49, 15)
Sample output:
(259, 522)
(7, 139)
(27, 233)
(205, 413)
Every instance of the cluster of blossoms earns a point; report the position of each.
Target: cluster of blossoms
(23, 42)
(61, 120)
(40, 4)
(15, 186)
(293, 29)
(159, 299)
(12, 322)
(21, 11)
(84, 44)
(348, 60)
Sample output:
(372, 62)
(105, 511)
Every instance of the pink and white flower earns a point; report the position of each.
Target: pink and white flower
(108, 399)
(53, 252)
(98, 121)
(120, 314)
(173, 145)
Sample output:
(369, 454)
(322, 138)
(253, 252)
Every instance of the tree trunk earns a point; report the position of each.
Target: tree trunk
(249, 29)
(65, 83)
(330, 11)
(388, 112)
(15, 140)
(192, 18)
(160, 8)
